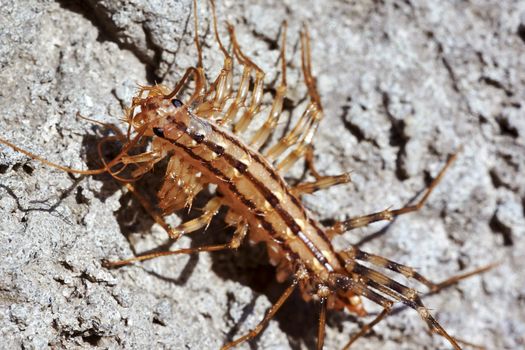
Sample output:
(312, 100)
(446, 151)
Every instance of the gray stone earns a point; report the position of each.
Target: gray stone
(403, 85)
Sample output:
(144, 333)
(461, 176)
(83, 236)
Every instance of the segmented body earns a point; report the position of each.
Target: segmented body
(200, 150)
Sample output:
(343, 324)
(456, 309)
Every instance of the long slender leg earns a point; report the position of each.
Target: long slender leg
(399, 292)
(388, 214)
(322, 324)
(358, 287)
(269, 315)
(367, 328)
(221, 89)
(257, 91)
(304, 131)
(149, 209)
(235, 242)
(409, 272)
(260, 137)
(303, 127)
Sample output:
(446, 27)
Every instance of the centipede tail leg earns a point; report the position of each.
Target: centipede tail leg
(269, 315)
(401, 293)
(409, 272)
(235, 242)
(388, 214)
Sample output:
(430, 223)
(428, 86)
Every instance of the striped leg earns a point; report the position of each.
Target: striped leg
(235, 242)
(319, 184)
(399, 292)
(389, 215)
(409, 273)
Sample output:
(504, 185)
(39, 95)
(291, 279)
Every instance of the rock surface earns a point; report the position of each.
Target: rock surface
(403, 85)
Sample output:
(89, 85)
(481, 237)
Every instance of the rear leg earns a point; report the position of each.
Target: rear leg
(399, 292)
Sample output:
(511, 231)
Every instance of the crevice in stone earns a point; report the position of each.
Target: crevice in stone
(499, 227)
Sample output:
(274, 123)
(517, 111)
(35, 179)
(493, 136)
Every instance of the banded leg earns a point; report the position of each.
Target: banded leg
(401, 293)
(409, 272)
(235, 242)
(389, 215)
(319, 184)
(269, 315)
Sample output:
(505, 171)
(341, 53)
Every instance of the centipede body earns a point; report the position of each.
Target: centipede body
(379, 207)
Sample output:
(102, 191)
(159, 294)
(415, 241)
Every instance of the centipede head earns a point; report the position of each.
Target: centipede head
(158, 113)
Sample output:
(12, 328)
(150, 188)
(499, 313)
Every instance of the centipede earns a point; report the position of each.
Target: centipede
(197, 129)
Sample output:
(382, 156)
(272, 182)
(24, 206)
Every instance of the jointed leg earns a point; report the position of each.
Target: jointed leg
(322, 324)
(360, 221)
(321, 183)
(238, 237)
(220, 90)
(257, 91)
(209, 211)
(260, 137)
(367, 328)
(399, 292)
(269, 315)
(408, 272)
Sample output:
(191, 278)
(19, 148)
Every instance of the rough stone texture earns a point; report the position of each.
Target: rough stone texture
(403, 85)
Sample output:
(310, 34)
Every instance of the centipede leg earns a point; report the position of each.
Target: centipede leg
(235, 242)
(257, 91)
(409, 272)
(389, 215)
(269, 315)
(260, 137)
(367, 328)
(220, 90)
(321, 183)
(399, 292)
(149, 209)
(322, 324)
